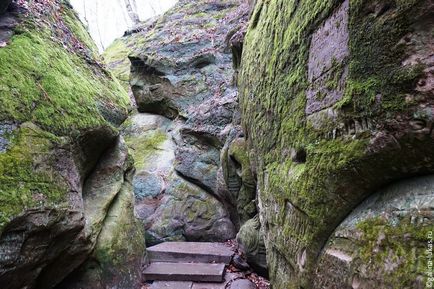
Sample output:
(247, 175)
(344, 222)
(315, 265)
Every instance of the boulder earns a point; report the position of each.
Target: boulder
(186, 212)
(335, 100)
(186, 77)
(189, 81)
(118, 237)
(198, 161)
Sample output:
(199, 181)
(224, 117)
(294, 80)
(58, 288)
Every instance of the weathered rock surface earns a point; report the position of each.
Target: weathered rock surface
(181, 68)
(171, 207)
(242, 284)
(336, 100)
(191, 74)
(239, 177)
(251, 242)
(58, 117)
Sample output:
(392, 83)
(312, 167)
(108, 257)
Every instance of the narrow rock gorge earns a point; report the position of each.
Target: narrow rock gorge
(216, 143)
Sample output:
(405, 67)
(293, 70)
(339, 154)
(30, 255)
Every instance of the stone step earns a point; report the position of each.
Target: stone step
(198, 272)
(185, 252)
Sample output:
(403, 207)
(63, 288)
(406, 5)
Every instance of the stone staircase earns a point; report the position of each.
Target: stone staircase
(180, 265)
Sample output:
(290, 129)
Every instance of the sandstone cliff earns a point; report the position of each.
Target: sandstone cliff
(336, 100)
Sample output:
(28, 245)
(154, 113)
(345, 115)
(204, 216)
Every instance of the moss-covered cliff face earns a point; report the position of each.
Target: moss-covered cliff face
(336, 101)
(59, 113)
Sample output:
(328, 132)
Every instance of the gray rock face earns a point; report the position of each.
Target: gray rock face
(191, 75)
(116, 236)
(197, 161)
(251, 242)
(239, 178)
(24, 244)
(6, 128)
(327, 57)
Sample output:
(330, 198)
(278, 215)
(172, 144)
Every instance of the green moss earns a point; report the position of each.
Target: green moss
(403, 244)
(49, 90)
(26, 179)
(376, 59)
(116, 58)
(121, 246)
(142, 147)
(43, 83)
(197, 15)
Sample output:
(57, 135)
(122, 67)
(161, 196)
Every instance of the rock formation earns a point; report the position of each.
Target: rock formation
(181, 69)
(336, 102)
(64, 170)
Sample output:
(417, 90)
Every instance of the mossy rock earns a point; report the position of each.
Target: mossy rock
(28, 178)
(327, 130)
(54, 97)
(60, 111)
(119, 250)
(187, 212)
